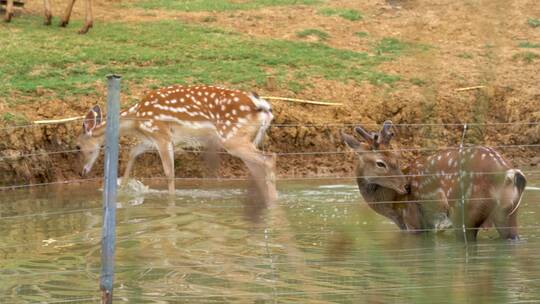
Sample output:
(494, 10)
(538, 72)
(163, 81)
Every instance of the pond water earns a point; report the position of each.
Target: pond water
(322, 245)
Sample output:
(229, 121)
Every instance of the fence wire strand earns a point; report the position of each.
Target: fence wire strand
(245, 179)
(294, 125)
(278, 153)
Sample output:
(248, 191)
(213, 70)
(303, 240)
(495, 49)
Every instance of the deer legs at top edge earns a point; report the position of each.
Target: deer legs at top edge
(9, 11)
(47, 12)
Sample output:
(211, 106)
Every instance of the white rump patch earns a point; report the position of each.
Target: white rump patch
(260, 103)
(265, 120)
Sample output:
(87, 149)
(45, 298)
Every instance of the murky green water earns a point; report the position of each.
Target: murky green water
(322, 245)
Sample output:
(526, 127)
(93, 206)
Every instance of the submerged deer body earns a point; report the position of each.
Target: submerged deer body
(65, 18)
(475, 180)
(477, 177)
(191, 116)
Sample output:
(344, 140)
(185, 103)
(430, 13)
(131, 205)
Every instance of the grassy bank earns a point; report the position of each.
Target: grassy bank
(217, 5)
(46, 58)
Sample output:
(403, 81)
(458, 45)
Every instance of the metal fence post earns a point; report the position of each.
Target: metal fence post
(461, 176)
(108, 238)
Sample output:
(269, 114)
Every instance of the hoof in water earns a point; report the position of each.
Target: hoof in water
(442, 222)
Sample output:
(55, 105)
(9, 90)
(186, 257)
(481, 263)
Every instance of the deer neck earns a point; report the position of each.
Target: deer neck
(100, 130)
(372, 192)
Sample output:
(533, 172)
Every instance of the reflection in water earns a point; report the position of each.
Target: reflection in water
(320, 244)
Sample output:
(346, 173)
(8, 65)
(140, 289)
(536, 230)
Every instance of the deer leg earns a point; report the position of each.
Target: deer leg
(441, 219)
(89, 19)
(9, 11)
(166, 153)
(67, 13)
(135, 151)
(435, 211)
(260, 167)
(48, 12)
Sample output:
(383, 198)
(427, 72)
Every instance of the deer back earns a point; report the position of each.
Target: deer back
(223, 112)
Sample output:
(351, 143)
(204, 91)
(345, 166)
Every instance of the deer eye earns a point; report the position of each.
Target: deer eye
(380, 164)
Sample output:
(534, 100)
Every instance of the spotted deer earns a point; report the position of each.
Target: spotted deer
(435, 187)
(65, 18)
(191, 116)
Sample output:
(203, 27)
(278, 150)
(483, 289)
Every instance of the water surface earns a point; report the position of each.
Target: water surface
(322, 245)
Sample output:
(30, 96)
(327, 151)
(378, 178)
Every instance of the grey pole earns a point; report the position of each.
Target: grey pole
(108, 238)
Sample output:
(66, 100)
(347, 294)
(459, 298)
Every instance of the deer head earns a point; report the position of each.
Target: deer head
(87, 143)
(378, 163)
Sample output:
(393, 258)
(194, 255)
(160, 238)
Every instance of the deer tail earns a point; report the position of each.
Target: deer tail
(517, 178)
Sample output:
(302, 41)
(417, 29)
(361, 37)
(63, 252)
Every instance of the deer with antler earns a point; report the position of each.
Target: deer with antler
(472, 186)
(190, 116)
(65, 18)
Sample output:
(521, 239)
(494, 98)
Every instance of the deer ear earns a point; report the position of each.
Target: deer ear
(92, 119)
(99, 117)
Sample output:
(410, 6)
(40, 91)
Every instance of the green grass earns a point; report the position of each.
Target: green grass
(417, 82)
(349, 14)
(391, 47)
(527, 57)
(465, 55)
(13, 119)
(361, 34)
(529, 45)
(168, 52)
(533, 22)
(217, 5)
(313, 32)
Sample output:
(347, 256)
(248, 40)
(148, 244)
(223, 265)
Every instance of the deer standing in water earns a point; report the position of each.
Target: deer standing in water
(65, 18)
(190, 116)
(437, 185)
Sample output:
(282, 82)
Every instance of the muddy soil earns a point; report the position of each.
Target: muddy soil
(470, 44)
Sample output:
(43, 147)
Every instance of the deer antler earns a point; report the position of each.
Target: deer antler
(386, 134)
(377, 138)
(370, 137)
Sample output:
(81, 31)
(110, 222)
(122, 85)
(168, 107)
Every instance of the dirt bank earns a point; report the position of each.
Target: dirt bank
(465, 49)
(27, 158)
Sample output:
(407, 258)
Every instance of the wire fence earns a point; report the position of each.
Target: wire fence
(340, 151)
(410, 255)
(294, 125)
